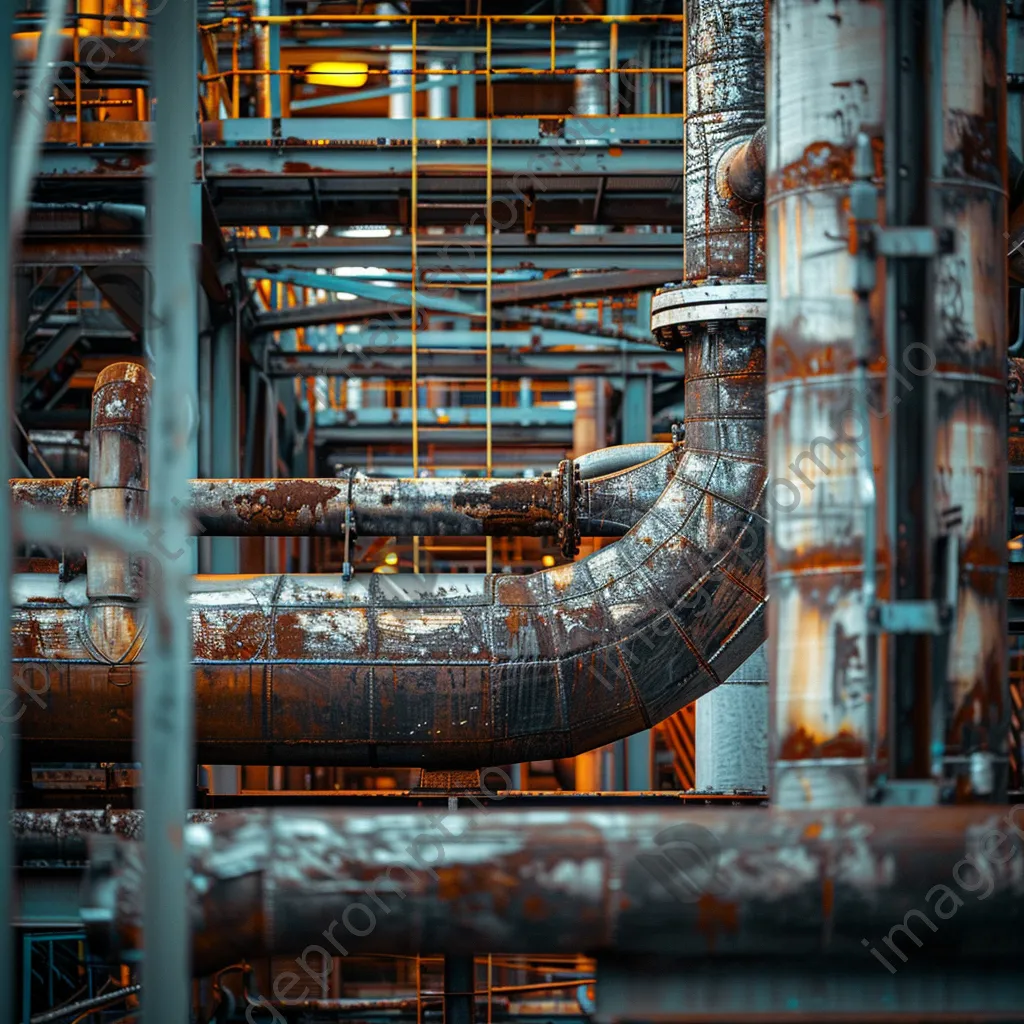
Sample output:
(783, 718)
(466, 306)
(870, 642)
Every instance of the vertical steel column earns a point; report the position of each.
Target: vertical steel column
(8, 714)
(224, 430)
(459, 984)
(165, 716)
(465, 87)
(908, 458)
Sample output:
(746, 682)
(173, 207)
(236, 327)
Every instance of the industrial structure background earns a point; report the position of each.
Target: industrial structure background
(512, 511)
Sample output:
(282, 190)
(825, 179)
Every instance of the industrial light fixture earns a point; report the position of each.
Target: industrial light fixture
(341, 74)
(547, 561)
(391, 558)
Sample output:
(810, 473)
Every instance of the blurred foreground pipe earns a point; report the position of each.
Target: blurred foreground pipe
(688, 882)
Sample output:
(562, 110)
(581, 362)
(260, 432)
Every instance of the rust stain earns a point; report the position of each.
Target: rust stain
(286, 502)
(714, 917)
(828, 896)
(802, 745)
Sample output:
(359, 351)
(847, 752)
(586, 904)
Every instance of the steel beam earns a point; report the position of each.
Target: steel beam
(394, 363)
(561, 135)
(166, 718)
(459, 416)
(550, 250)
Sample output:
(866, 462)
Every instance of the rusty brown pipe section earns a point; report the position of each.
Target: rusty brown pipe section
(689, 882)
(70, 494)
(119, 471)
(459, 671)
(606, 505)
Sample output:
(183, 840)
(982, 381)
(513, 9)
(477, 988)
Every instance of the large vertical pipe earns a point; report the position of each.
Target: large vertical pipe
(833, 667)
(825, 72)
(967, 384)
(166, 718)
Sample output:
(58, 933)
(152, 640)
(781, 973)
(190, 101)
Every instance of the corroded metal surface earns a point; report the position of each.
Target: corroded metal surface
(67, 495)
(608, 505)
(456, 671)
(825, 78)
(693, 883)
(724, 95)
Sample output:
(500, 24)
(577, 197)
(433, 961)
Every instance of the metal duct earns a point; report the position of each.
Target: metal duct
(689, 882)
(616, 487)
(458, 671)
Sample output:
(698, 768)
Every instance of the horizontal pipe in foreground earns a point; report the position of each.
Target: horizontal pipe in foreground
(696, 882)
(631, 479)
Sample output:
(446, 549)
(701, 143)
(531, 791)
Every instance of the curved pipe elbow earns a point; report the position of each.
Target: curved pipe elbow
(468, 671)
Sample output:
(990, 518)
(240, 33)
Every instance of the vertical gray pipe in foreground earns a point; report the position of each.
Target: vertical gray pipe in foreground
(166, 719)
(8, 729)
(731, 731)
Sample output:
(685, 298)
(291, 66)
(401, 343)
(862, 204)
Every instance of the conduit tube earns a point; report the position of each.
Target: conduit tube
(761, 882)
(462, 671)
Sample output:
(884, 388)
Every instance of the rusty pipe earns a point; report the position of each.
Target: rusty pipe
(682, 882)
(70, 494)
(616, 488)
(460, 671)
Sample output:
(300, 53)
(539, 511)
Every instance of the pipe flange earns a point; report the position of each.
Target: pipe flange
(568, 507)
(678, 310)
